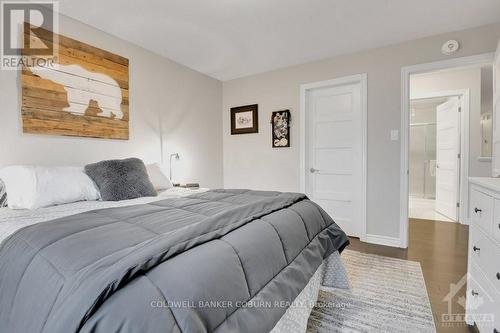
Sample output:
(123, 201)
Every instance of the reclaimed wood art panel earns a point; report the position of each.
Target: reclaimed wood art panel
(85, 94)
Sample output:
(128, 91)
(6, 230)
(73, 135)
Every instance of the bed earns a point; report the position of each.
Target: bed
(185, 261)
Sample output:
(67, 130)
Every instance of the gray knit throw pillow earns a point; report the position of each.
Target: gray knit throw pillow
(121, 179)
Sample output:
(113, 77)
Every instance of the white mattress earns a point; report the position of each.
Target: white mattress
(12, 220)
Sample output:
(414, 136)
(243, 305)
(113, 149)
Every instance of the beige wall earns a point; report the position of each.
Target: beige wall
(249, 160)
(457, 80)
(487, 90)
(187, 102)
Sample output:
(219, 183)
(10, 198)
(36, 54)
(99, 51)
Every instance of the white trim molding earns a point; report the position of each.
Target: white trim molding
(383, 240)
(362, 79)
(463, 62)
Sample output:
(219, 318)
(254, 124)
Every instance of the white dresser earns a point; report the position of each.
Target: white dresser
(483, 283)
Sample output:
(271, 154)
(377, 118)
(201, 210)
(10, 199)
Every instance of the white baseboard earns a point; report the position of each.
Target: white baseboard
(382, 240)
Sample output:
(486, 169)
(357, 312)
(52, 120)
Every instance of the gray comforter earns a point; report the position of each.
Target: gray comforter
(220, 261)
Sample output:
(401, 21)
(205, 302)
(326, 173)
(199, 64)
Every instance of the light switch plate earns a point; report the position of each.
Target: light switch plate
(394, 135)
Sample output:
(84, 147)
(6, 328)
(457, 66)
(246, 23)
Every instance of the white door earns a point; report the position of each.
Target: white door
(496, 114)
(447, 158)
(334, 153)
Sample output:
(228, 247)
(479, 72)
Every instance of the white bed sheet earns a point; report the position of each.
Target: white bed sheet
(12, 220)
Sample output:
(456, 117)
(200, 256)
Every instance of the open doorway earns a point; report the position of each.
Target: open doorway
(445, 138)
(448, 133)
(434, 182)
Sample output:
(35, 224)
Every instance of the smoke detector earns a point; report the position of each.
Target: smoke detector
(450, 47)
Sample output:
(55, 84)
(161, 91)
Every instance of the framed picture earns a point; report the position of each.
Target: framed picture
(245, 119)
(280, 124)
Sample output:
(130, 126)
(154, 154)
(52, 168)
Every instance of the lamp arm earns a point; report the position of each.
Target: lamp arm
(176, 155)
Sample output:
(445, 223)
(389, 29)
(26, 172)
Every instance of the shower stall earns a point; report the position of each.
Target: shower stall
(423, 159)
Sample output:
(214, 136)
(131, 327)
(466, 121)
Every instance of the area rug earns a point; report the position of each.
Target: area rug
(385, 295)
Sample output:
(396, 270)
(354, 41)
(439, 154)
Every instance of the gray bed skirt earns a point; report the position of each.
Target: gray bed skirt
(331, 274)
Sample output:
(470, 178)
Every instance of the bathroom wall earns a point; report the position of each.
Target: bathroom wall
(459, 79)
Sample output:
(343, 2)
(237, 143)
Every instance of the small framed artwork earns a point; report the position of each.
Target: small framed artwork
(245, 119)
(280, 123)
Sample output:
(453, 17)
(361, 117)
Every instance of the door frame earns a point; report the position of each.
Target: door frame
(455, 63)
(464, 95)
(495, 172)
(362, 79)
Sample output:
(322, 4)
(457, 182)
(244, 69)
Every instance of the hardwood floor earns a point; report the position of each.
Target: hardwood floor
(441, 249)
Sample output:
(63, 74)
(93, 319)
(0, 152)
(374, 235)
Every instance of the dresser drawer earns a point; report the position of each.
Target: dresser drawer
(486, 255)
(481, 209)
(496, 221)
(483, 302)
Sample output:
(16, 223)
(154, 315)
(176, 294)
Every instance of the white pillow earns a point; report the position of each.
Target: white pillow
(158, 177)
(31, 187)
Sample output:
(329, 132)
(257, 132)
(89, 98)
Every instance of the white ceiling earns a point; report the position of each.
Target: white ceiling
(227, 39)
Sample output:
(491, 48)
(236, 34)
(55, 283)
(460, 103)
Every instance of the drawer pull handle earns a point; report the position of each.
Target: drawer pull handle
(475, 248)
(477, 210)
(498, 275)
(474, 293)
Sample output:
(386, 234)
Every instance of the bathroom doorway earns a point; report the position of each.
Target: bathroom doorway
(449, 139)
(434, 188)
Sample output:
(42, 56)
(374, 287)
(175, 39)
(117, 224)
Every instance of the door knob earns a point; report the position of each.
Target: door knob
(313, 170)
